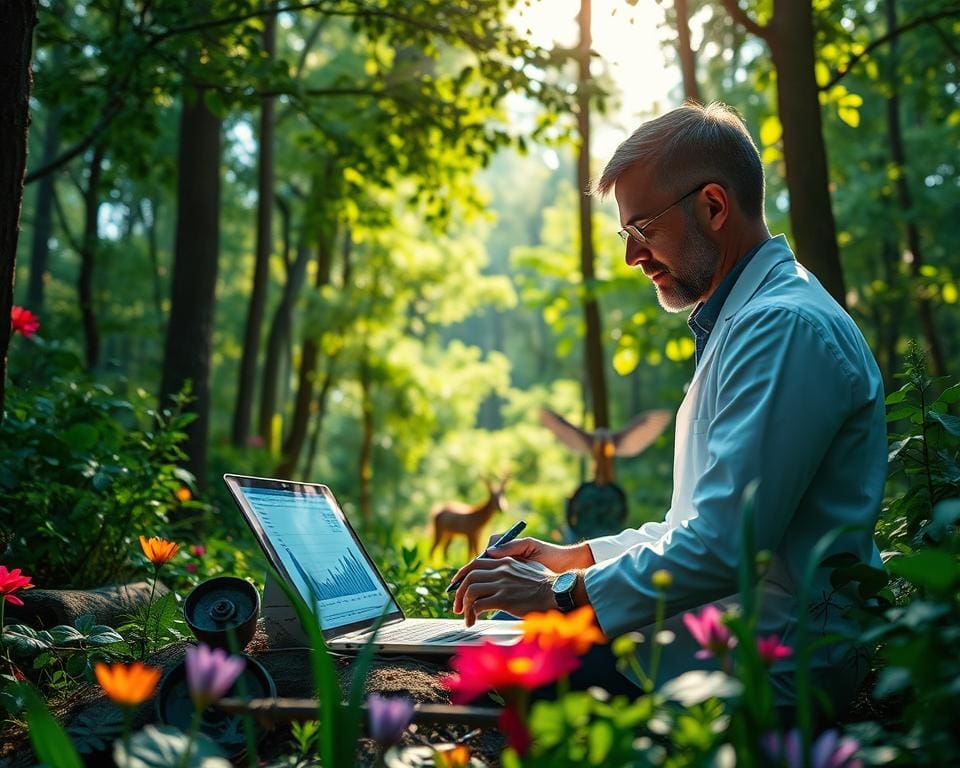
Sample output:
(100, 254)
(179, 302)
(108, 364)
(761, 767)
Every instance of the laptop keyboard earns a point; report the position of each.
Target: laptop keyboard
(424, 633)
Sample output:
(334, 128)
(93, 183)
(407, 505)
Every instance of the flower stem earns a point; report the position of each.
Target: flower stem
(146, 618)
(655, 650)
(191, 737)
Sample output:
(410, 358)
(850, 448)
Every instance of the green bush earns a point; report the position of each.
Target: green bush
(83, 473)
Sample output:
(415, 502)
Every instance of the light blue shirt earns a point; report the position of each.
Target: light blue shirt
(786, 392)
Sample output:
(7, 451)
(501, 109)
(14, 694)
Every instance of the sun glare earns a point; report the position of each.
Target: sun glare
(627, 39)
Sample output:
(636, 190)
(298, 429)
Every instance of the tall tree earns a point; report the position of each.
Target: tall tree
(187, 349)
(688, 65)
(789, 36)
(593, 338)
(43, 215)
(261, 272)
(88, 252)
(898, 155)
(17, 20)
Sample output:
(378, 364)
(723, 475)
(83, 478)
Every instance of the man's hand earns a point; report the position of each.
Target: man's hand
(517, 586)
(557, 558)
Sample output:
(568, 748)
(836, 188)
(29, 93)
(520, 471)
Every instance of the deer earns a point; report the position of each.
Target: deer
(602, 444)
(457, 518)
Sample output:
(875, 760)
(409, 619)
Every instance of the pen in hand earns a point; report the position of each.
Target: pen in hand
(506, 538)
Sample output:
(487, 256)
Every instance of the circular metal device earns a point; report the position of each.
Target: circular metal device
(219, 606)
(175, 707)
(596, 510)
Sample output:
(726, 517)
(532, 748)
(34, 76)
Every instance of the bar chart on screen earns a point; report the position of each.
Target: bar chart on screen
(324, 562)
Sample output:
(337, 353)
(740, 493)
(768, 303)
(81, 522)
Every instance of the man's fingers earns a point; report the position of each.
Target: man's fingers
(476, 593)
(481, 576)
(515, 548)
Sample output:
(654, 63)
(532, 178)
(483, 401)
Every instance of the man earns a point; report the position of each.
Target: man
(785, 392)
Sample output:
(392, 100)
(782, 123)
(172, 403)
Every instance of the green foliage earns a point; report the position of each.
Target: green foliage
(64, 653)
(86, 473)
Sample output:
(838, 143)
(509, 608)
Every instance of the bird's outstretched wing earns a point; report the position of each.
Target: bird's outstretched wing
(640, 432)
(571, 436)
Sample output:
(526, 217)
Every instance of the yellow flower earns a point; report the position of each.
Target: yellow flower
(576, 630)
(662, 580)
(128, 685)
(157, 550)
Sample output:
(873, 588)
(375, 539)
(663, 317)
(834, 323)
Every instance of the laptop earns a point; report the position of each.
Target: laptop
(309, 541)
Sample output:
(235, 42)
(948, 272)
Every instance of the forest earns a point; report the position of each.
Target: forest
(350, 242)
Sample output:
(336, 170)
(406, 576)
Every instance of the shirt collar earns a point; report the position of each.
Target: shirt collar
(706, 313)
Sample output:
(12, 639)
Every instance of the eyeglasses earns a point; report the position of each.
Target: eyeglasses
(637, 233)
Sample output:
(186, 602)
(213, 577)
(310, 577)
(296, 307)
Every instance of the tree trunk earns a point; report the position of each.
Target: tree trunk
(899, 156)
(17, 19)
(309, 355)
(687, 62)
(43, 216)
(805, 155)
(593, 343)
(153, 252)
(319, 411)
(277, 339)
(365, 459)
(88, 252)
(196, 245)
(261, 273)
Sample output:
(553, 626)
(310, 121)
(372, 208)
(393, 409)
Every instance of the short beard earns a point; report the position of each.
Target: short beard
(692, 278)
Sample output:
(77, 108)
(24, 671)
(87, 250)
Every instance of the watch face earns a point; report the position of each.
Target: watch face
(565, 582)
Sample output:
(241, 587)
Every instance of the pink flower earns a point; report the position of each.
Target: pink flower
(190, 567)
(771, 650)
(198, 550)
(709, 630)
(23, 321)
(830, 750)
(10, 582)
(388, 718)
(524, 666)
(210, 673)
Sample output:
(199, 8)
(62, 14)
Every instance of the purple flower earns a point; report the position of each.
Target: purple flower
(389, 718)
(210, 673)
(830, 750)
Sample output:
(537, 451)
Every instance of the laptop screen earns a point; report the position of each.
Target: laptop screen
(310, 541)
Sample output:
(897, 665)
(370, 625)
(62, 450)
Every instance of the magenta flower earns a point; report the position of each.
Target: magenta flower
(830, 750)
(198, 550)
(771, 649)
(210, 673)
(10, 582)
(709, 630)
(388, 718)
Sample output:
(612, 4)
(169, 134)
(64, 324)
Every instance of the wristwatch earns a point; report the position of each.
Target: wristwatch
(563, 588)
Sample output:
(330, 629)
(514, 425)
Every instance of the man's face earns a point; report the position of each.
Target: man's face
(679, 257)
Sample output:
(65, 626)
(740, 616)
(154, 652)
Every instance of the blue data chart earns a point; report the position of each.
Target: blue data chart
(323, 560)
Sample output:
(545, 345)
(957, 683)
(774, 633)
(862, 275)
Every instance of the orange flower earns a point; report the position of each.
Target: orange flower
(157, 550)
(452, 757)
(128, 685)
(183, 493)
(576, 631)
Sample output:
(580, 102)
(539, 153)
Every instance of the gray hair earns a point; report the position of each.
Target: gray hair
(691, 145)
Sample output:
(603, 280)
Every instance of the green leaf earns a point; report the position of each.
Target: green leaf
(903, 412)
(950, 395)
(63, 634)
(103, 635)
(599, 741)
(948, 422)
(80, 437)
(931, 568)
(26, 640)
(165, 747)
(50, 742)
